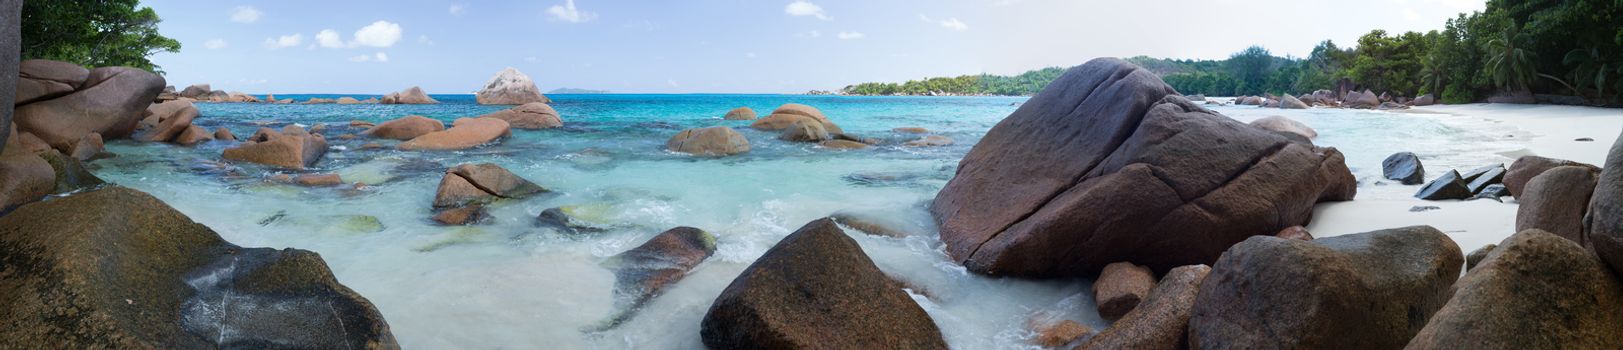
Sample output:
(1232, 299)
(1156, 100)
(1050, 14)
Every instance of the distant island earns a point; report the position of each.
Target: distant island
(1025, 84)
(576, 91)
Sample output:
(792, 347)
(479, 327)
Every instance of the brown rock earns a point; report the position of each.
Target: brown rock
(1285, 125)
(224, 134)
(24, 178)
(269, 147)
(464, 133)
(644, 272)
(533, 115)
(1556, 202)
(930, 141)
(410, 96)
(817, 289)
(1527, 167)
(87, 147)
(46, 79)
(711, 141)
(173, 118)
(479, 183)
(346, 100)
(1162, 320)
(193, 135)
(111, 102)
(1120, 287)
(740, 113)
(1476, 256)
(462, 216)
(406, 128)
(1295, 232)
(871, 224)
(842, 144)
(1604, 224)
(911, 130)
(805, 130)
(1057, 334)
(318, 180)
(787, 114)
(31, 143)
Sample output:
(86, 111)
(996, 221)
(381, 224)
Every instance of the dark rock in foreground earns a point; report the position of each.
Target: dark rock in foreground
(1534, 291)
(816, 289)
(1371, 290)
(1120, 288)
(1556, 202)
(642, 273)
(1108, 164)
(116, 268)
(1404, 167)
(1604, 224)
(1448, 186)
(1162, 321)
(1480, 178)
(1525, 168)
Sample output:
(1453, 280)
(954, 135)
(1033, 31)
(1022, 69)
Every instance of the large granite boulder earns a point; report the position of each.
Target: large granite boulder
(1534, 291)
(1365, 100)
(816, 289)
(1370, 290)
(173, 118)
(1525, 168)
(24, 177)
(1285, 125)
(111, 101)
(1424, 100)
(293, 150)
(711, 141)
(196, 91)
(410, 96)
(464, 133)
(510, 87)
(740, 113)
(117, 268)
(1604, 224)
(642, 273)
(1556, 202)
(481, 183)
(1291, 102)
(1404, 167)
(786, 115)
(406, 128)
(533, 115)
(805, 130)
(1120, 287)
(1108, 164)
(1162, 320)
(46, 79)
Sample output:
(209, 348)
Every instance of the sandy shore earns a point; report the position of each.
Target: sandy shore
(1551, 131)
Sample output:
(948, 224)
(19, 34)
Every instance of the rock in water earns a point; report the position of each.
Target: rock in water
(816, 289)
(1534, 291)
(787, 114)
(1604, 224)
(577, 219)
(1527, 167)
(1556, 202)
(1480, 178)
(410, 96)
(1120, 288)
(510, 87)
(805, 130)
(1285, 125)
(70, 174)
(296, 150)
(1107, 164)
(406, 128)
(533, 115)
(479, 183)
(1370, 290)
(642, 273)
(464, 133)
(1291, 102)
(116, 268)
(711, 141)
(1162, 320)
(740, 113)
(1448, 186)
(111, 101)
(1404, 167)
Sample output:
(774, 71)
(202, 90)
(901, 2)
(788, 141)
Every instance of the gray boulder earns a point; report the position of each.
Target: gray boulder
(1556, 202)
(1404, 167)
(510, 87)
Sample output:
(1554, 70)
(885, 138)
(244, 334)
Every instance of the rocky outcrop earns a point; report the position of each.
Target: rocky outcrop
(1364, 100)
(1162, 320)
(1371, 290)
(92, 272)
(817, 289)
(173, 118)
(1604, 224)
(196, 91)
(533, 115)
(1291, 102)
(510, 87)
(1424, 100)
(711, 141)
(464, 133)
(1285, 125)
(1534, 291)
(786, 115)
(642, 273)
(1525, 168)
(1120, 287)
(1556, 202)
(406, 128)
(740, 113)
(1404, 167)
(410, 96)
(109, 101)
(481, 183)
(294, 150)
(805, 130)
(1107, 164)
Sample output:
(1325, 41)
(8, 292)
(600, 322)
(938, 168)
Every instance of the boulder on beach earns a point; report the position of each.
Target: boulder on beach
(1107, 164)
(711, 141)
(1534, 291)
(1404, 167)
(1556, 202)
(817, 289)
(509, 87)
(102, 276)
(1448, 186)
(464, 133)
(1120, 287)
(291, 150)
(111, 101)
(1372, 290)
(410, 96)
(1364, 100)
(481, 183)
(533, 115)
(740, 113)
(1161, 321)
(1291, 102)
(1424, 100)
(1604, 224)
(406, 128)
(1525, 168)
(1285, 125)
(642, 273)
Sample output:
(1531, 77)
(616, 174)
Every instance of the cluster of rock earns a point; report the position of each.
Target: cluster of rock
(1483, 182)
(793, 122)
(1333, 99)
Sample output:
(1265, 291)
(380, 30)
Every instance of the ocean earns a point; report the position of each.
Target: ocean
(511, 284)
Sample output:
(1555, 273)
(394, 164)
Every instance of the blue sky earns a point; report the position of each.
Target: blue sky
(740, 46)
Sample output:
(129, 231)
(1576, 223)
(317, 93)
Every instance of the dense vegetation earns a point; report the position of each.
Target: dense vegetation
(985, 84)
(1562, 47)
(93, 33)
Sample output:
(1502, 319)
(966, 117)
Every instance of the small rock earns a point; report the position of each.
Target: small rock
(842, 144)
(1584, 139)
(1448, 186)
(1162, 321)
(470, 214)
(575, 219)
(1404, 167)
(930, 141)
(1479, 178)
(1120, 287)
(911, 130)
(1295, 232)
(224, 134)
(318, 180)
(1476, 256)
(1057, 334)
(1420, 208)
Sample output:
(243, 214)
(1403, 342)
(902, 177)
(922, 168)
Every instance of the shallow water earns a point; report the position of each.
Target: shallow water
(510, 284)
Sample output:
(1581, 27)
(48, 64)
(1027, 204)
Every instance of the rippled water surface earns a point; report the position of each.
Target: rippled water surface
(511, 284)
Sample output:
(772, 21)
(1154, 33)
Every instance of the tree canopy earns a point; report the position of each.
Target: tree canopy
(93, 33)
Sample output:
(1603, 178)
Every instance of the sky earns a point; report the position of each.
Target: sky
(726, 46)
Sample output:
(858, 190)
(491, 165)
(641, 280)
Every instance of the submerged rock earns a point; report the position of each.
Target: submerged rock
(1107, 164)
(711, 141)
(1120, 287)
(510, 87)
(930, 141)
(842, 144)
(533, 115)
(872, 224)
(405, 128)
(1162, 320)
(464, 133)
(1448, 186)
(97, 276)
(1370, 290)
(466, 215)
(481, 183)
(1534, 291)
(577, 219)
(1404, 167)
(817, 289)
(1527, 167)
(1556, 202)
(642, 273)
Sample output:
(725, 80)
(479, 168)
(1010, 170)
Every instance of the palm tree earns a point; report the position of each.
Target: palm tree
(1591, 69)
(1431, 73)
(1510, 66)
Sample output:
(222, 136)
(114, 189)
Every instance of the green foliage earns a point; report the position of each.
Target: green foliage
(93, 33)
(1027, 83)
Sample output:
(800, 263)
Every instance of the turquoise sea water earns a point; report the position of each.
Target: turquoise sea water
(510, 284)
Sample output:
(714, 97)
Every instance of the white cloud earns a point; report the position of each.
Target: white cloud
(804, 8)
(851, 35)
(377, 34)
(214, 44)
(568, 13)
(457, 10)
(381, 57)
(950, 23)
(328, 38)
(245, 14)
(290, 40)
